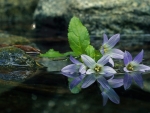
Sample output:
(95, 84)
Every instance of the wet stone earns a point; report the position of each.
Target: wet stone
(12, 57)
(15, 64)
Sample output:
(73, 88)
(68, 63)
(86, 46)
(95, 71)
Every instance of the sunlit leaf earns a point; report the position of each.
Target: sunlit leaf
(78, 36)
(90, 51)
(52, 53)
(56, 54)
(98, 55)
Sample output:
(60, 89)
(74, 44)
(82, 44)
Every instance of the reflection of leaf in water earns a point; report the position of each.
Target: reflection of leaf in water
(77, 88)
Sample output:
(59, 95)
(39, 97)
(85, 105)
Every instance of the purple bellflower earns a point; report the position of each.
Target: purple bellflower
(134, 69)
(96, 71)
(107, 48)
(76, 71)
(72, 70)
(109, 92)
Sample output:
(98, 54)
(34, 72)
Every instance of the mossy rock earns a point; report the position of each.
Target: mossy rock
(15, 64)
(12, 57)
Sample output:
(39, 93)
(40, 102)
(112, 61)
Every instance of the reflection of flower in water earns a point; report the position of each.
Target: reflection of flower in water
(93, 71)
(109, 92)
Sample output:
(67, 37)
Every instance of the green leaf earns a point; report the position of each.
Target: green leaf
(77, 88)
(78, 36)
(98, 55)
(69, 53)
(90, 51)
(52, 54)
(56, 55)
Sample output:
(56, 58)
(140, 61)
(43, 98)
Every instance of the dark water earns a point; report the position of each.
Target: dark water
(48, 92)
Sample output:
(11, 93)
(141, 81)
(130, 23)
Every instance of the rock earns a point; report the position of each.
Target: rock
(15, 64)
(10, 39)
(16, 16)
(99, 16)
(12, 57)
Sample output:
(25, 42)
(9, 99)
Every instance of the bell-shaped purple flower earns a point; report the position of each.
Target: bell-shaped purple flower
(75, 69)
(134, 65)
(107, 48)
(96, 71)
(134, 69)
(115, 83)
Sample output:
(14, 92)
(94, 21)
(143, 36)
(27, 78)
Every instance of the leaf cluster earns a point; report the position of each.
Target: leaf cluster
(79, 41)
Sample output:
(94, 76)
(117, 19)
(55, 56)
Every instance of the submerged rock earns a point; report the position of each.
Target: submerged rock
(12, 57)
(15, 64)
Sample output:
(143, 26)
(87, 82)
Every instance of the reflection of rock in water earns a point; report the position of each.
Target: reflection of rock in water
(15, 64)
(15, 75)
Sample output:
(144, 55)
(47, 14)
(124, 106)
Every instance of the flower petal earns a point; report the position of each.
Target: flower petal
(125, 69)
(139, 57)
(103, 60)
(108, 75)
(105, 98)
(111, 62)
(115, 83)
(88, 61)
(70, 75)
(112, 95)
(76, 81)
(108, 70)
(138, 79)
(102, 50)
(73, 60)
(88, 80)
(113, 40)
(127, 58)
(103, 82)
(90, 71)
(116, 53)
(82, 69)
(70, 68)
(105, 38)
(143, 68)
(127, 81)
